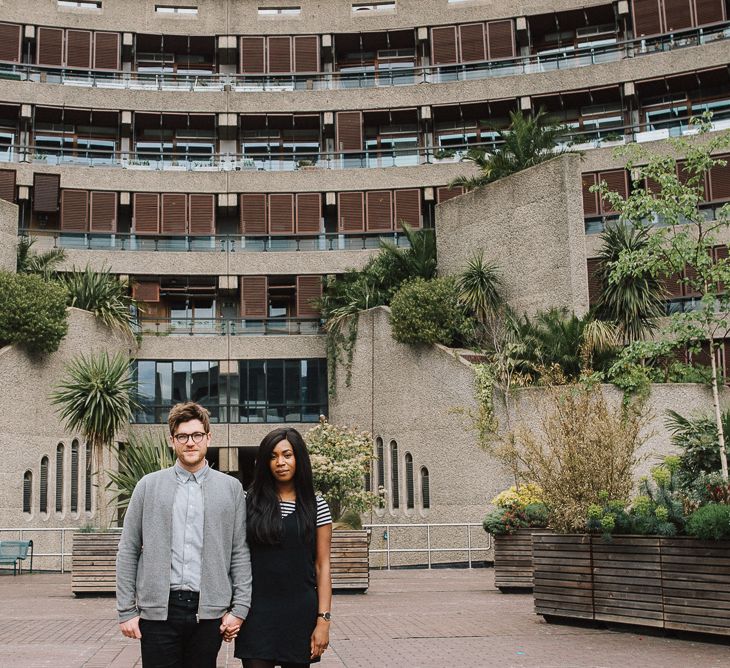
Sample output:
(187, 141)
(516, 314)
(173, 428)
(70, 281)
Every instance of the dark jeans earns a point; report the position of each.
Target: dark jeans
(181, 641)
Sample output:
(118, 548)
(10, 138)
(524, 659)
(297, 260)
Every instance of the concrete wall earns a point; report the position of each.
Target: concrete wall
(8, 236)
(531, 226)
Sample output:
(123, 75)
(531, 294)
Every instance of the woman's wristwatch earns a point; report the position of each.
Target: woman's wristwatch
(325, 615)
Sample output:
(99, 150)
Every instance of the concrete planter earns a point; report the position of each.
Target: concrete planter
(350, 559)
(669, 583)
(513, 560)
(93, 562)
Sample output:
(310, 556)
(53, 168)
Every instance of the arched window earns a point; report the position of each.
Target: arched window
(27, 491)
(87, 479)
(43, 505)
(59, 477)
(395, 491)
(75, 476)
(381, 461)
(410, 492)
(425, 488)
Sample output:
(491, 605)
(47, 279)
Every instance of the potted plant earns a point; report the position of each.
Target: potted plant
(520, 512)
(340, 459)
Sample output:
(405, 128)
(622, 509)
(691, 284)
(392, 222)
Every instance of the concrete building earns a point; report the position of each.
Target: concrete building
(226, 155)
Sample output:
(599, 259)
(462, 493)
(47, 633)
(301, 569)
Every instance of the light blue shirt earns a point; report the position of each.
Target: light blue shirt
(187, 529)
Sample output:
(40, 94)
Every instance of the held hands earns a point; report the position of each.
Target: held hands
(130, 628)
(320, 638)
(230, 626)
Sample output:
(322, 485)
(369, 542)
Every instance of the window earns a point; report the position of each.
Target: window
(89, 464)
(75, 476)
(394, 474)
(358, 7)
(280, 11)
(410, 491)
(27, 492)
(381, 462)
(169, 9)
(425, 489)
(43, 495)
(59, 477)
(81, 4)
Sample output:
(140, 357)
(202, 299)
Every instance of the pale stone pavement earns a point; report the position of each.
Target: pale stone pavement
(408, 618)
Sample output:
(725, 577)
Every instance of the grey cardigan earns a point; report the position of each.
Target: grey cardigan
(143, 575)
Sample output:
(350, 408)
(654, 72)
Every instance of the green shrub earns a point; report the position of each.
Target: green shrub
(428, 312)
(507, 519)
(32, 312)
(711, 522)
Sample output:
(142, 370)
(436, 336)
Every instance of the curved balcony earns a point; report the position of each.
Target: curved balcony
(246, 83)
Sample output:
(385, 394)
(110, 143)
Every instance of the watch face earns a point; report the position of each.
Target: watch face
(326, 616)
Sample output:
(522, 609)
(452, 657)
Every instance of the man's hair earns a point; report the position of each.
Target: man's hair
(180, 413)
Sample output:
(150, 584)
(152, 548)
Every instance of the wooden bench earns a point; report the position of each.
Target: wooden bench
(14, 552)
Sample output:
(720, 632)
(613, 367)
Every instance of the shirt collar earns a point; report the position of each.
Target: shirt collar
(184, 475)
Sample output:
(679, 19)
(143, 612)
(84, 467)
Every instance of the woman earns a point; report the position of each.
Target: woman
(289, 533)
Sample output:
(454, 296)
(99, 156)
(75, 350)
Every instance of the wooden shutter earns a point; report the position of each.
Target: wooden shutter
(309, 288)
(309, 213)
(349, 131)
(10, 42)
(281, 213)
(174, 213)
(445, 193)
(103, 211)
(595, 285)
(78, 49)
(672, 285)
(75, 210)
(720, 181)
(379, 210)
(306, 53)
(253, 215)
(252, 55)
(683, 176)
(254, 297)
(721, 254)
(617, 181)
(146, 291)
(279, 49)
(500, 39)
(407, 208)
(687, 288)
(350, 212)
(709, 11)
(471, 42)
(49, 46)
(677, 14)
(647, 18)
(202, 214)
(443, 45)
(146, 213)
(106, 50)
(7, 184)
(590, 200)
(45, 192)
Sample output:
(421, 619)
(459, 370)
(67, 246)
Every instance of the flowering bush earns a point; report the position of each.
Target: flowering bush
(340, 459)
(519, 497)
(516, 508)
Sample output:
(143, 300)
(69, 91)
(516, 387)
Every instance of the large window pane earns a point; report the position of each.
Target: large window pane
(275, 390)
(180, 381)
(292, 389)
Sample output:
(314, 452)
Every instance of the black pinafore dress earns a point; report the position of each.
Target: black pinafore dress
(284, 600)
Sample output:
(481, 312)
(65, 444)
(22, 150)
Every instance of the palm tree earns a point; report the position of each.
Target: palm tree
(30, 262)
(634, 302)
(96, 399)
(480, 287)
(527, 142)
(416, 261)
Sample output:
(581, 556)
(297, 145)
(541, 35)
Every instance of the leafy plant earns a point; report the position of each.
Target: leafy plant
(710, 522)
(30, 262)
(517, 507)
(480, 288)
(32, 312)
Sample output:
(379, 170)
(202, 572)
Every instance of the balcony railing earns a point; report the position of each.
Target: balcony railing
(215, 243)
(229, 326)
(579, 57)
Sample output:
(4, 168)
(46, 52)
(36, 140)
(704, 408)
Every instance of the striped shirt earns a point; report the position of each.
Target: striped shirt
(323, 510)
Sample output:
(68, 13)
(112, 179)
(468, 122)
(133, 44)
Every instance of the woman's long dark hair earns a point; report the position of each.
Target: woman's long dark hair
(263, 513)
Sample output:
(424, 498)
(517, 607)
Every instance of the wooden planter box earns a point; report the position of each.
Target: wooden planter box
(668, 583)
(93, 562)
(513, 560)
(350, 559)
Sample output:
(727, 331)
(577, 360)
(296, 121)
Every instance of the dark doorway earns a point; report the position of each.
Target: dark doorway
(246, 461)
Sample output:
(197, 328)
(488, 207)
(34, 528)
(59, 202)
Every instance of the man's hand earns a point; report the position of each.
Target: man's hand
(230, 625)
(130, 628)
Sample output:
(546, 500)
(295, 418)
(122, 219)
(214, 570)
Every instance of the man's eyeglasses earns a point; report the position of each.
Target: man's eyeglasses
(183, 439)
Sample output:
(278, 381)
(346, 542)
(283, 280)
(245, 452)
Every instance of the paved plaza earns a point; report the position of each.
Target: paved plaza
(408, 618)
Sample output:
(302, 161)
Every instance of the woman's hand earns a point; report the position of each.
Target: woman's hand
(320, 638)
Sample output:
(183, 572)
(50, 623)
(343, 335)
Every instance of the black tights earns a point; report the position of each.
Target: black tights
(263, 663)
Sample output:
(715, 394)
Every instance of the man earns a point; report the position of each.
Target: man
(183, 567)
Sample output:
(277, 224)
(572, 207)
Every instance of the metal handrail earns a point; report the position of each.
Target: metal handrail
(229, 326)
(429, 549)
(579, 57)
